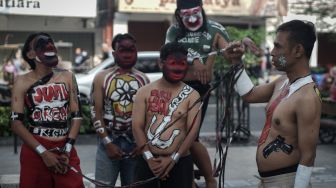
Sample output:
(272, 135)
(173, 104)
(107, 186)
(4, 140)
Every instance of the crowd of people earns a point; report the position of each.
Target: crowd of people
(148, 132)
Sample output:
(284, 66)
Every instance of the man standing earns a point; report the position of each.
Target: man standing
(113, 92)
(201, 36)
(166, 122)
(287, 146)
(49, 97)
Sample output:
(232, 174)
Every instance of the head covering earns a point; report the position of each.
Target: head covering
(186, 4)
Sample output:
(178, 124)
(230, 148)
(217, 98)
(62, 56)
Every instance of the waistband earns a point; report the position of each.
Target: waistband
(280, 171)
(48, 132)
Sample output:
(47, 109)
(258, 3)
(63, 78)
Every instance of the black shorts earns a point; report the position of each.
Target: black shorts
(202, 90)
(180, 176)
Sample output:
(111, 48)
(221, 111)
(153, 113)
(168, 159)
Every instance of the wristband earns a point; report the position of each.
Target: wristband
(243, 84)
(17, 116)
(40, 149)
(147, 155)
(68, 147)
(69, 142)
(97, 124)
(106, 140)
(175, 157)
(100, 130)
(302, 178)
(76, 115)
(190, 60)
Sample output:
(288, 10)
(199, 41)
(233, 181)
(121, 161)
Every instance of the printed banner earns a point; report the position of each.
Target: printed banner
(64, 8)
(212, 7)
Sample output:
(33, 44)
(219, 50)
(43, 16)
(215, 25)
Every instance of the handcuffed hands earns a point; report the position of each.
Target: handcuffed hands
(55, 162)
(113, 151)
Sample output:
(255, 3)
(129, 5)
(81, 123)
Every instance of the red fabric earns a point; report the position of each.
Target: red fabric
(35, 174)
(269, 114)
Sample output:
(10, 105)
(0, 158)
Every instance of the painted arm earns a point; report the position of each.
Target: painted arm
(139, 127)
(75, 108)
(97, 103)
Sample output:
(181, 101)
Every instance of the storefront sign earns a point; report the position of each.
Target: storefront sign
(212, 7)
(64, 8)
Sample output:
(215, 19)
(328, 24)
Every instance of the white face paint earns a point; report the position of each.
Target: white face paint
(192, 18)
(282, 61)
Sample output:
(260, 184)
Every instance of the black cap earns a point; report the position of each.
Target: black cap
(186, 4)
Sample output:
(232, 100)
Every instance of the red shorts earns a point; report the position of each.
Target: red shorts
(34, 172)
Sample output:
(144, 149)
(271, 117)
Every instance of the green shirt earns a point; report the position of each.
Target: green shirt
(198, 43)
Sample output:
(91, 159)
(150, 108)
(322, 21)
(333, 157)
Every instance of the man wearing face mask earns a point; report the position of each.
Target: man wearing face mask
(200, 36)
(112, 94)
(165, 123)
(50, 98)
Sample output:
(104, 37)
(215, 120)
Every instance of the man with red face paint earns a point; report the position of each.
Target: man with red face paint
(165, 123)
(50, 98)
(201, 36)
(112, 94)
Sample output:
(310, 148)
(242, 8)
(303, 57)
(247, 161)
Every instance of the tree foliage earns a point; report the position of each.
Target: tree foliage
(324, 10)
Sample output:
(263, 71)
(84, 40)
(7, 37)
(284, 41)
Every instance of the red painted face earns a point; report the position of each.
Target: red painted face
(175, 67)
(192, 18)
(45, 50)
(125, 54)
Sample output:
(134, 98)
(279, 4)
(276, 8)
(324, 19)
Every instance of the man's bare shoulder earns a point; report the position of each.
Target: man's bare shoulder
(308, 94)
(23, 82)
(194, 95)
(148, 87)
(62, 73)
(280, 80)
(101, 74)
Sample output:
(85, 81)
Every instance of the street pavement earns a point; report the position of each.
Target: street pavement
(240, 168)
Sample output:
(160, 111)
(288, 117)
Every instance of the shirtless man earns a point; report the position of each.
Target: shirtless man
(200, 36)
(50, 98)
(113, 93)
(287, 146)
(161, 118)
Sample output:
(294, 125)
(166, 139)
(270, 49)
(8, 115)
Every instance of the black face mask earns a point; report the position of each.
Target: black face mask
(45, 50)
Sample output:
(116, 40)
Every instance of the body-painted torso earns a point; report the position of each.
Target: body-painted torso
(119, 93)
(163, 108)
(281, 121)
(47, 106)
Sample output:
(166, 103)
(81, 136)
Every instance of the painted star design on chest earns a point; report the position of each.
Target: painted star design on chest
(125, 91)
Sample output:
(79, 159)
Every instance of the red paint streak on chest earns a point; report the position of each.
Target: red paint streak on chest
(158, 102)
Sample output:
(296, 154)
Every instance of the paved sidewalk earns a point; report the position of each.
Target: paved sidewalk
(240, 164)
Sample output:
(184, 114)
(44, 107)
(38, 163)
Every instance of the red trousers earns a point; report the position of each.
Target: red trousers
(34, 172)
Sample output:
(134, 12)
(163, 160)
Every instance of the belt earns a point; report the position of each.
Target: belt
(48, 132)
(280, 171)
